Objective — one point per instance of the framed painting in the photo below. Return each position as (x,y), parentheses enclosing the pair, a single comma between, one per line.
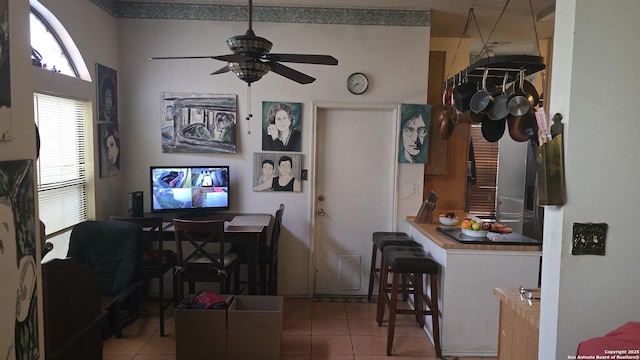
(277,172)
(109,149)
(198,123)
(107,93)
(18,314)
(281,126)
(414,133)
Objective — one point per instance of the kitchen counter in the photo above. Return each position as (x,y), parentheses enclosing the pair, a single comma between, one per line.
(430,231)
(469,312)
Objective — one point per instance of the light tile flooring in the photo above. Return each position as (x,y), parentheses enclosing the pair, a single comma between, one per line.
(312,330)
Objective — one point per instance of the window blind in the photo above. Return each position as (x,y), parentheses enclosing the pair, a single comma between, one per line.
(482,195)
(62,181)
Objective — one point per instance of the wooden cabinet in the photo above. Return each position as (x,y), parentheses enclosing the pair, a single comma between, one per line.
(519,326)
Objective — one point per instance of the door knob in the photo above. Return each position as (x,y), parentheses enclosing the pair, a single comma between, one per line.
(321,212)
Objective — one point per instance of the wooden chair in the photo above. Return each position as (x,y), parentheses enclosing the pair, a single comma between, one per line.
(270,255)
(156,261)
(207,261)
(267,257)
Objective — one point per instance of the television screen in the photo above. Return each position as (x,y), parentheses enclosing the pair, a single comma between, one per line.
(189,188)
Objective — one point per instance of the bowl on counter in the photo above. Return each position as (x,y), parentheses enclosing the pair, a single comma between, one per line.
(474,233)
(448,221)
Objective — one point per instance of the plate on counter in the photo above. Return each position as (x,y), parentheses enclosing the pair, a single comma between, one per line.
(474,233)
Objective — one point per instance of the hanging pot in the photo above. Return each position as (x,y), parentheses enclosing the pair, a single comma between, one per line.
(447,95)
(528,88)
(519,102)
(464,117)
(492,130)
(521,126)
(482,100)
(446,127)
(462,95)
(499,109)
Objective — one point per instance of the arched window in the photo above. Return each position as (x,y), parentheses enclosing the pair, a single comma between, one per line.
(52,46)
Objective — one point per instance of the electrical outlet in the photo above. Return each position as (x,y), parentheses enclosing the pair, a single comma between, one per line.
(589,238)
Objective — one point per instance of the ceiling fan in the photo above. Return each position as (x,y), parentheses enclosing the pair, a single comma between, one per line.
(251,59)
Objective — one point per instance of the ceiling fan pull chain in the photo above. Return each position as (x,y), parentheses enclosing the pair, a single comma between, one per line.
(249,114)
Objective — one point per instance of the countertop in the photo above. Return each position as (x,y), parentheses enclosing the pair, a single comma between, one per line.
(511,298)
(429,230)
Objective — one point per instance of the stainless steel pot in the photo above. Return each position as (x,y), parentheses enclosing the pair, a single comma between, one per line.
(499,109)
(482,100)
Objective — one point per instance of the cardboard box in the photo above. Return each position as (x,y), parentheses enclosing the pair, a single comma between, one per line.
(201,334)
(254,327)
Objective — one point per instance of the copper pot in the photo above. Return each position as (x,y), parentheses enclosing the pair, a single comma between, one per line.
(464,117)
(444,119)
(521,126)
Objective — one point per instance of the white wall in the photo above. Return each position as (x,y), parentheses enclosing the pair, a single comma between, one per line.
(394,58)
(595,88)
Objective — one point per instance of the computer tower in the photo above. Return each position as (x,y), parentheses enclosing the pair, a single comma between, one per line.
(136,204)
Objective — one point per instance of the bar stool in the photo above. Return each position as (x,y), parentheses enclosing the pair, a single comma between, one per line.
(413,261)
(380,240)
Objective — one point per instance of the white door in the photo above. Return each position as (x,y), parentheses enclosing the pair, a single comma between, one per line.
(355,157)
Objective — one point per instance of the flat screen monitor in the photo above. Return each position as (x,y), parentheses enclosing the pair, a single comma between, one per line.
(189,188)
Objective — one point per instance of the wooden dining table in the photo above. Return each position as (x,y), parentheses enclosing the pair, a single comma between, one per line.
(248,230)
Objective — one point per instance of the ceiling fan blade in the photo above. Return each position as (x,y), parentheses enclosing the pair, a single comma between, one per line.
(222,70)
(290,73)
(233,58)
(180,57)
(304,59)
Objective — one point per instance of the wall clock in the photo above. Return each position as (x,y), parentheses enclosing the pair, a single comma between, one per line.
(357,83)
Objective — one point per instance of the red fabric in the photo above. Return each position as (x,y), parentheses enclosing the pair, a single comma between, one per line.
(626,339)
(208,299)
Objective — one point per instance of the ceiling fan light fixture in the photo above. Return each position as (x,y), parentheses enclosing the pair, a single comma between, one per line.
(249,45)
(249,71)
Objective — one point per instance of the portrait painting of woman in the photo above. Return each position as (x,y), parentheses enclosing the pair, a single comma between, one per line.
(281,126)
(109,149)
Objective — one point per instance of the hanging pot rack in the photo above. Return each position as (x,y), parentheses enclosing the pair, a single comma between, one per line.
(497,67)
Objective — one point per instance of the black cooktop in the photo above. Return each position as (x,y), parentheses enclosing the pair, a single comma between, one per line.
(455,233)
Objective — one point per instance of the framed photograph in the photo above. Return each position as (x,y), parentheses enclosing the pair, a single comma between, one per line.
(5,74)
(414,133)
(198,123)
(277,172)
(107,93)
(281,126)
(109,149)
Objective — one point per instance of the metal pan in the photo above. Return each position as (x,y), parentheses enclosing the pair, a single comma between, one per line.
(520,102)
(462,95)
(492,130)
(521,126)
(499,109)
(482,100)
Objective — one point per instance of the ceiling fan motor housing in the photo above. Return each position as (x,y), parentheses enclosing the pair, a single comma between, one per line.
(249,71)
(249,45)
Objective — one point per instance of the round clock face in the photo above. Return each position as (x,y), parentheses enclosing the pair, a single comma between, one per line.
(357,83)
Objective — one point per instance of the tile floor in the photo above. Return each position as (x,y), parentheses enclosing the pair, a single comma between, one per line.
(313,330)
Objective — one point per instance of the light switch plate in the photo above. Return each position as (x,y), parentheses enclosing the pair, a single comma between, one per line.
(589,238)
